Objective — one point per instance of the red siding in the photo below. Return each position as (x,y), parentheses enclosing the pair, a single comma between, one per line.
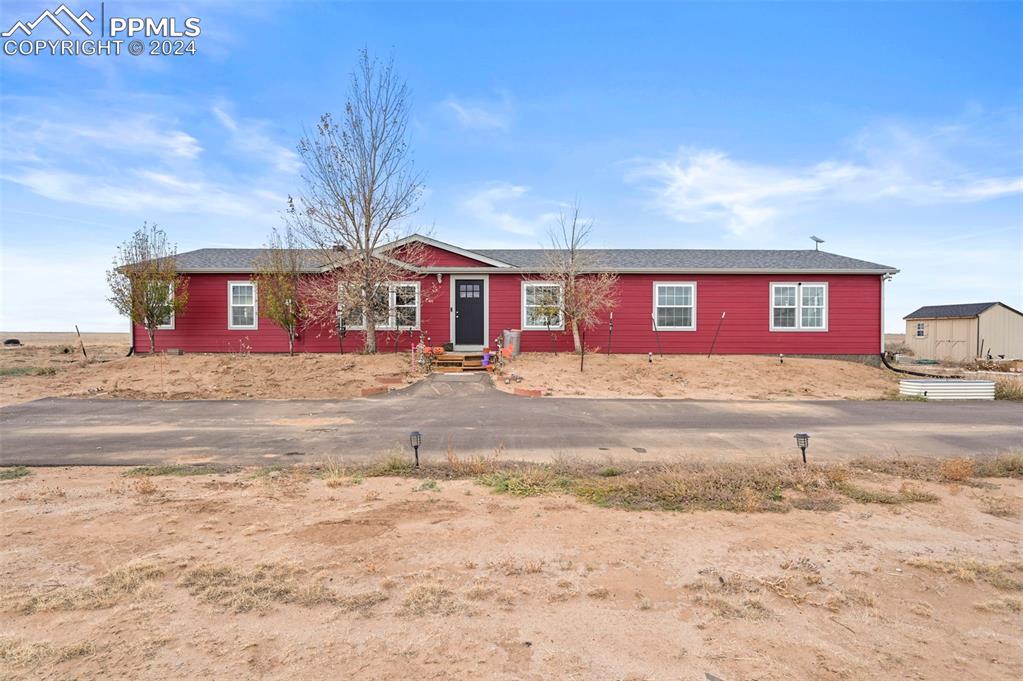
(438,257)
(202,327)
(854,318)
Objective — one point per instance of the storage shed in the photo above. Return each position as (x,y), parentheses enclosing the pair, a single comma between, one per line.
(965,332)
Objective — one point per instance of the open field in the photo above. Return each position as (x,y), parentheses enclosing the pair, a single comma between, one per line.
(43,369)
(731,377)
(279,573)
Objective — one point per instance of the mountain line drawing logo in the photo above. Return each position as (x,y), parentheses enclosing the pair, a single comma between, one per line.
(78,21)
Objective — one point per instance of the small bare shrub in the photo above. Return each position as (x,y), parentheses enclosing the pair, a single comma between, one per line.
(957,470)
(145,486)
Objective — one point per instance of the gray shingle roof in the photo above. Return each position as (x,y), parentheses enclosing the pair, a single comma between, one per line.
(233,260)
(618,259)
(696,259)
(939,311)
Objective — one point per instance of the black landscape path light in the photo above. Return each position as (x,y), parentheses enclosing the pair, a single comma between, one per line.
(415,439)
(803,441)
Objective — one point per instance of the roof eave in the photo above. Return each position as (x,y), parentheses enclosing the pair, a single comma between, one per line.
(665,270)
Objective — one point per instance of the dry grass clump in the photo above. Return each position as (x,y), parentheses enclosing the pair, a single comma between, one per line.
(747,609)
(470,466)
(527,482)
(430,598)
(336,474)
(742,488)
(998,575)
(1006,466)
(863,495)
(480,591)
(15,653)
(177,470)
(266,585)
(1009,390)
(107,592)
(952,470)
(1004,604)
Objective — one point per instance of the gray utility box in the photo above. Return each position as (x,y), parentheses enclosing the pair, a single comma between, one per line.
(513,340)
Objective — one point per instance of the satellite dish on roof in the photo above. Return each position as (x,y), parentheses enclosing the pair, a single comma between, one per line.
(817,241)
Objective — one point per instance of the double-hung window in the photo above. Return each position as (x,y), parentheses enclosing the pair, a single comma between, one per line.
(674,306)
(168,323)
(542,304)
(799,307)
(241,305)
(398,307)
(921,330)
(403,306)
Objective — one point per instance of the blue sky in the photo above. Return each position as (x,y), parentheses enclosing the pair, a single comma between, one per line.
(893,131)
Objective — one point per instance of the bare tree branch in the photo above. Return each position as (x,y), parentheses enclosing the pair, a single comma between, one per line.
(360,184)
(144,283)
(587,292)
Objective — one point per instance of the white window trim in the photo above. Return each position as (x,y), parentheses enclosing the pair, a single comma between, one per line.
(653,318)
(255,306)
(392,313)
(921,330)
(169,326)
(390,325)
(522,305)
(799,307)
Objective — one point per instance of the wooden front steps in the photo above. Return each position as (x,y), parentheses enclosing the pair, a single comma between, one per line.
(451,362)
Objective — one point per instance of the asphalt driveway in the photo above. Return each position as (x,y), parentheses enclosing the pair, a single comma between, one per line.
(472,417)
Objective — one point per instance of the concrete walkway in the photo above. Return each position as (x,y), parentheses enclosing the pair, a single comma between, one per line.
(466,413)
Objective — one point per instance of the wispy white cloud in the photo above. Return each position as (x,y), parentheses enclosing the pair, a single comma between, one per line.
(250,137)
(146,163)
(889,163)
(479,114)
(494,206)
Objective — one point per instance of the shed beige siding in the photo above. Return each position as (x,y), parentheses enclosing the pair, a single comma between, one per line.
(1001,332)
(950,339)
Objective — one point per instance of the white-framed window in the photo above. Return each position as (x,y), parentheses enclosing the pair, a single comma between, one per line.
(403,305)
(542,303)
(403,308)
(921,330)
(799,306)
(169,324)
(242,305)
(674,306)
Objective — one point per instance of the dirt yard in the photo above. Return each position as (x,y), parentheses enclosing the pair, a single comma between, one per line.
(727,377)
(51,365)
(281,574)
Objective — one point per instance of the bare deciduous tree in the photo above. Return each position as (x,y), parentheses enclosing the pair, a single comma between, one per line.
(359,185)
(144,283)
(279,283)
(587,293)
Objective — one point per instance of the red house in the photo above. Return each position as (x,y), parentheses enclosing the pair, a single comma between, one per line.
(798,302)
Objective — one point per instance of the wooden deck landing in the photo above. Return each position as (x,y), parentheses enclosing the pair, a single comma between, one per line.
(458,361)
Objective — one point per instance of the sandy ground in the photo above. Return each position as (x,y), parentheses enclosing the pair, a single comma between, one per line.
(390,578)
(698,377)
(51,372)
